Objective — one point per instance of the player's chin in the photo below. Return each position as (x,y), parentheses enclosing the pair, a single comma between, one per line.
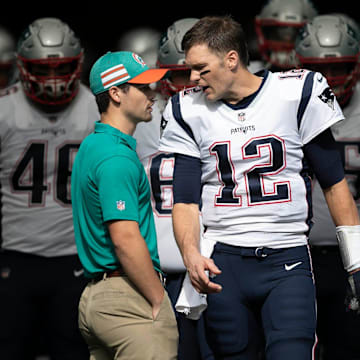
(148,117)
(211,94)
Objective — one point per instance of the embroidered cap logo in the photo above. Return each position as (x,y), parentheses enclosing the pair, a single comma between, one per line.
(138,59)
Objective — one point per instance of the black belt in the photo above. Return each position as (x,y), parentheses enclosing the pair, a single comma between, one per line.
(259,252)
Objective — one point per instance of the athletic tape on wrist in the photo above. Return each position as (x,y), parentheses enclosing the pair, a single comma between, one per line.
(349,244)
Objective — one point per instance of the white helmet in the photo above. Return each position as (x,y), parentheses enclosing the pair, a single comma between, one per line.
(332,42)
(277,26)
(7,57)
(49,58)
(171,55)
(143,41)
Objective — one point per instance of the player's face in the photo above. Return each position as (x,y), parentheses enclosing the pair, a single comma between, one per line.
(137,103)
(209,71)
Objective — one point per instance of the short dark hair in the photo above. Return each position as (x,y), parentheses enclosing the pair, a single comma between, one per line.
(103,99)
(221,34)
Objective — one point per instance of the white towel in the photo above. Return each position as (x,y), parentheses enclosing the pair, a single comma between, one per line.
(190,302)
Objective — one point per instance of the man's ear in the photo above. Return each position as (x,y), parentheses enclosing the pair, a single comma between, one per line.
(115,94)
(232,60)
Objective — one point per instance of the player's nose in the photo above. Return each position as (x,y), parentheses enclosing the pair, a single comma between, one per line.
(195,76)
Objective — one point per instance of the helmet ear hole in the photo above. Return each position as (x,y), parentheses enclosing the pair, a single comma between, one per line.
(49,58)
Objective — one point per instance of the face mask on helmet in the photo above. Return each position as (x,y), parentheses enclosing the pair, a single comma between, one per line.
(5,74)
(341,75)
(278,45)
(51,81)
(175,81)
(277,27)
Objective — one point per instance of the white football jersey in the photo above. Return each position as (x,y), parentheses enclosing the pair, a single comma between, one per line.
(159,168)
(37,153)
(255,191)
(347,135)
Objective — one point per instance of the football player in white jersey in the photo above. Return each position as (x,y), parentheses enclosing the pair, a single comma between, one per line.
(240,141)
(276,27)
(330,45)
(43,120)
(159,168)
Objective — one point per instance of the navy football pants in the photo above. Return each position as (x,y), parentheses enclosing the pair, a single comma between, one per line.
(270,287)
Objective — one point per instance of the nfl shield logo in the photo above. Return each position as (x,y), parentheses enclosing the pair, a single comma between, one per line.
(120,205)
(241,116)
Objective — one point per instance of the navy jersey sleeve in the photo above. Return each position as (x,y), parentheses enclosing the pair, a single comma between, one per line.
(187,179)
(324,159)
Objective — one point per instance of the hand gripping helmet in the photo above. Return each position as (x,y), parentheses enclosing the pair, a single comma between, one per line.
(143,41)
(172,56)
(277,26)
(49,58)
(330,44)
(7,57)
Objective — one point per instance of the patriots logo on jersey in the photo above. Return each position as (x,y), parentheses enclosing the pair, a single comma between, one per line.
(328,97)
(163,124)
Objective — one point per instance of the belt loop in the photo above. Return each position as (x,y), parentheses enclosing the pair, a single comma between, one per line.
(104,276)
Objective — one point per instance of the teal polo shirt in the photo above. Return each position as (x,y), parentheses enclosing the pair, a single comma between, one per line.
(108,182)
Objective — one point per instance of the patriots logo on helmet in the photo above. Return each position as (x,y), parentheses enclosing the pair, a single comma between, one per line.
(328,97)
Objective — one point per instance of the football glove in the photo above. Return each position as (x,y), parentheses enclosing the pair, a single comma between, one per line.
(352,300)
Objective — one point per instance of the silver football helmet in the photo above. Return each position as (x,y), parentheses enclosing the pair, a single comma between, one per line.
(7,57)
(172,56)
(49,58)
(143,41)
(277,26)
(330,45)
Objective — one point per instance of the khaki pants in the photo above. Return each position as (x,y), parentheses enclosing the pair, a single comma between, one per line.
(116,322)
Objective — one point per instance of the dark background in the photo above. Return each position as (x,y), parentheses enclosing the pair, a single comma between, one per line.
(101,23)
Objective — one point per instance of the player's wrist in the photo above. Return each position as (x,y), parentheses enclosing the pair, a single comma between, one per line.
(348,237)
(190,254)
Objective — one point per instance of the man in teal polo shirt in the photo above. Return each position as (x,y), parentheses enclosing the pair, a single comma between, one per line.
(124,312)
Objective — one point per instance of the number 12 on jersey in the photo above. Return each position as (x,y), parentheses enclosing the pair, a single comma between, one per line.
(257,175)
